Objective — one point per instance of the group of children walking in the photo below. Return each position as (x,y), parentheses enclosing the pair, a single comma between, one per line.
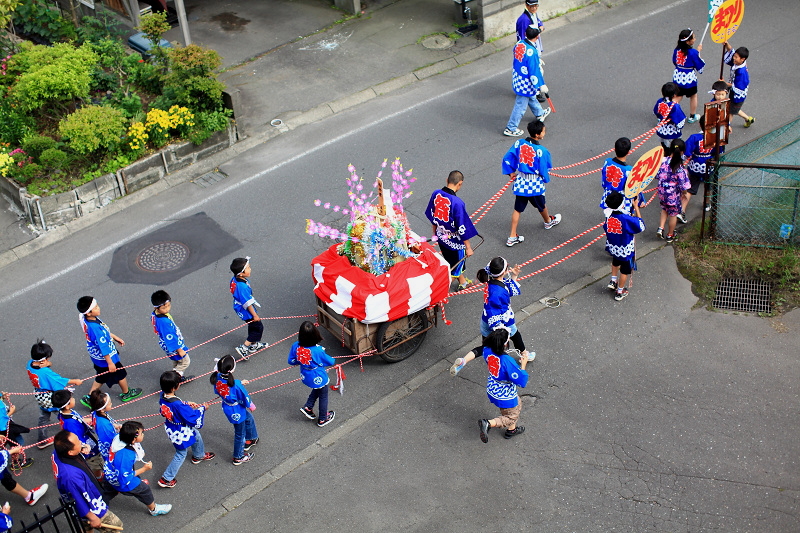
(111,450)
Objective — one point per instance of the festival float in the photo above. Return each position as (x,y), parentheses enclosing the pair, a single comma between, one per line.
(379,288)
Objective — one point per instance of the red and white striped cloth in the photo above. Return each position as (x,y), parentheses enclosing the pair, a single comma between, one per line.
(411,285)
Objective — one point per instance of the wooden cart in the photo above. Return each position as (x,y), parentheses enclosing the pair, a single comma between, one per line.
(394,341)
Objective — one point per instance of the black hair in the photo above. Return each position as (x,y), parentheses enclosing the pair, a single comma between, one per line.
(676,149)
(668,90)
(622,147)
(535,127)
(97,400)
(614,200)
(455,177)
(237,265)
(702,122)
(742,52)
(41,350)
(223,369)
(169,381)
(159,298)
(129,431)
(308,335)
(495,267)
(532,32)
(496,341)
(62,444)
(84,302)
(719,85)
(683,37)
(60,398)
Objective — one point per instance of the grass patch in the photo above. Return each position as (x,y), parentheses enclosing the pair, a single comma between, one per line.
(706,264)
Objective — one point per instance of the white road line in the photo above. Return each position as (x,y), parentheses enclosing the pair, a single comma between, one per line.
(232,187)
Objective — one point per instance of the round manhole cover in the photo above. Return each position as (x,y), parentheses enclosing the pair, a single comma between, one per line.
(162,256)
(437,42)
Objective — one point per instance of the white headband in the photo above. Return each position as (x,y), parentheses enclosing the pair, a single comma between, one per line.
(247,262)
(91,306)
(216,366)
(489,270)
(691,33)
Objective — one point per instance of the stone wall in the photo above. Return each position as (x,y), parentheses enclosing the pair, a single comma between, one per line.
(497,18)
(49,211)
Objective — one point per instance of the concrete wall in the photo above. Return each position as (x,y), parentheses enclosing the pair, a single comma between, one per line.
(499,17)
(48,211)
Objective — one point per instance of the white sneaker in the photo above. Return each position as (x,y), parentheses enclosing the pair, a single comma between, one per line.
(682,218)
(37,493)
(161,508)
(544,115)
(513,133)
(554,220)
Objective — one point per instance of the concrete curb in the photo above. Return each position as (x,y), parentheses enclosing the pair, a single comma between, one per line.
(341,432)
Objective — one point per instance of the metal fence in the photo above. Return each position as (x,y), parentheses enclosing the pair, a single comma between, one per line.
(755,204)
(754,192)
(64,519)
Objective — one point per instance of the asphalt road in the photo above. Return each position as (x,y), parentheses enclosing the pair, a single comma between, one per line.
(605,75)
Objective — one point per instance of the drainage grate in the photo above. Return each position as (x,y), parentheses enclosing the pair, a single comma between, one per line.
(752,296)
(162,256)
(210,178)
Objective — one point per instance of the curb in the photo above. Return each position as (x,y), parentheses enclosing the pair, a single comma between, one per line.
(442,366)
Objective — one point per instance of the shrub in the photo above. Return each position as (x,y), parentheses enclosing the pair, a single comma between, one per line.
(93,127)
(15,123)
(130,104)
(95,29)
(137,137)
(54,159)
(28,173)
(206,123)
(6,162)
(36,144)
(35,18)
(142,74)
(154,25)
(50,74)
(191,80)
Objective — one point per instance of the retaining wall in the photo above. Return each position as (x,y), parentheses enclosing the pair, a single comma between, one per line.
(49,211)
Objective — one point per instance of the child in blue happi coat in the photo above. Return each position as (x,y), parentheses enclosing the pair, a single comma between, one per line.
(45,381)
(505,375)
(121,471)
(500,285)
(104,426)
(739,80)
(669,114)
(182,424)
(169,334)
(688,64)
(620,244)
(73,422)
(244,304)
(312,359)
(237,406)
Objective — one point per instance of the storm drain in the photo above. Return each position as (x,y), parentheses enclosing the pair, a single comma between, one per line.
(210,178)
(752,296)
(162,256)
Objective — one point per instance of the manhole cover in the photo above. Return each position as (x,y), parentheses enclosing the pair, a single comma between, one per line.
(752,296)
(162,256)
(437,42)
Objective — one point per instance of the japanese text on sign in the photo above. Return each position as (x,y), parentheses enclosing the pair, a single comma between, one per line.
(727,20)
(643,171)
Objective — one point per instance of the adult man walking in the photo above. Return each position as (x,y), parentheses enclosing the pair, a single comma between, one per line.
(528,81)
(452,226)
(530,17)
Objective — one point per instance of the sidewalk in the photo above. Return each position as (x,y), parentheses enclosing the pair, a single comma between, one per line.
(306,68)
(630,425)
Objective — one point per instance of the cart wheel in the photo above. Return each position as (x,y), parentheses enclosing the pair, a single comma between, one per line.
(400,338)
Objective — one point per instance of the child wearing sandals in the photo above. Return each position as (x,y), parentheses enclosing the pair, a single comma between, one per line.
(500,285)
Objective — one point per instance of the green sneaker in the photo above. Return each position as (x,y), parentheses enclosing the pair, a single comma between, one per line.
(85,401)
(130,395)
